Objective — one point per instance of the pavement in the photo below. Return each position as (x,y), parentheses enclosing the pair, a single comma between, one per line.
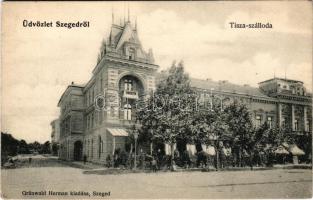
(62,178)
(94,166)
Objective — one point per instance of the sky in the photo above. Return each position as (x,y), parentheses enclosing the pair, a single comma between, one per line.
(39,63)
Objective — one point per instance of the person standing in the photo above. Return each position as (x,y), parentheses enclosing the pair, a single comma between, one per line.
(85,159)
(154,164)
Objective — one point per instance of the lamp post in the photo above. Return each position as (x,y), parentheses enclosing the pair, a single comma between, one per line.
(211,98)
(136,126)
(135,156)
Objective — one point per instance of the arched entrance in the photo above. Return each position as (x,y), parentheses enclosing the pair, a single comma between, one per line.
(78,150)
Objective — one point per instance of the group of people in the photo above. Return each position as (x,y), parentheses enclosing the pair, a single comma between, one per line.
(217,158)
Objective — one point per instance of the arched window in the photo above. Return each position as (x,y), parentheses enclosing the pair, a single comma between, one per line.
(128,85)
(127,112)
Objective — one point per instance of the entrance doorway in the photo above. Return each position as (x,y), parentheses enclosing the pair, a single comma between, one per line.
(78,150)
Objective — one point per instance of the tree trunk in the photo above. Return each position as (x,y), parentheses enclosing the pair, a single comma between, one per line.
(172,156)
(240,157)
(217,156)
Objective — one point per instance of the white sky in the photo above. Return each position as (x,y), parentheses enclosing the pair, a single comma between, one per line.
(38,63)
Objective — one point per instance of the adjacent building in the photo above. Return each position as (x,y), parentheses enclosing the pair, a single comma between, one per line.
(96,117)
(55,136)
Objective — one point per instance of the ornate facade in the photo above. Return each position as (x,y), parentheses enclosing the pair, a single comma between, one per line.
(95,117)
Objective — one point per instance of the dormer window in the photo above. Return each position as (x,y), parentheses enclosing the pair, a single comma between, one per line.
(131,54)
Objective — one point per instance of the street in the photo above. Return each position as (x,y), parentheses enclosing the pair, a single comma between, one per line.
(67,182)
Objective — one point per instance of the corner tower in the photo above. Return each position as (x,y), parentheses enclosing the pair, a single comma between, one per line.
(124,74)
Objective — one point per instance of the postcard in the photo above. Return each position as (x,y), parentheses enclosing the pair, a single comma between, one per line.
(156,100)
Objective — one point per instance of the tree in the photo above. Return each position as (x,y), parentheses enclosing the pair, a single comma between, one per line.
(240,126)
(23,147)
(45,148)
(167,112)
(35,146)
(54,149)
(9,146)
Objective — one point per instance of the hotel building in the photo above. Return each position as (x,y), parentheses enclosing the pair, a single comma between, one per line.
(95,118)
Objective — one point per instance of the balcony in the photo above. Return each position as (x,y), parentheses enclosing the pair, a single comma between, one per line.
(130,94)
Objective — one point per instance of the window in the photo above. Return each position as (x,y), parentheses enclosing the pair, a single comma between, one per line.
(127,112)
(296,125)
(100,147)
(131,54)
(307,125)
(270,121)
(283,122)
(128,85)
(258,120)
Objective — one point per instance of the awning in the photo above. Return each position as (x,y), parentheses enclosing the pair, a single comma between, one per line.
(118,132)
(281,150)
(296,151)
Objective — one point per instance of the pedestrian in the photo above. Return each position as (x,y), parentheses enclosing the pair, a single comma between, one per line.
(108,161)
(142,159)
(30,160)
(154,165)
(174,167)
(85,159)
(159,158)
(186,159)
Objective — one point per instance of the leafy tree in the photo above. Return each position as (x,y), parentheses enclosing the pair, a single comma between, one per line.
(23,147)
(54,149)
(240,126)
(9,146)
(35,146)
(45,148)
(167,112)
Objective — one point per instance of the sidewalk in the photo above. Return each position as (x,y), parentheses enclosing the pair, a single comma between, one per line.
(99,167)
(88,165)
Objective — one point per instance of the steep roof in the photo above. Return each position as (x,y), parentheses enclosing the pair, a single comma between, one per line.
(128,34)
(121,34)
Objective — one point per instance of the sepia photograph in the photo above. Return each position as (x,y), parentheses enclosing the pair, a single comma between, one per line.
(156,100)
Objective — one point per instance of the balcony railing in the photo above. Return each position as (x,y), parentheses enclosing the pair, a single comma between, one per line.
(130,94)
